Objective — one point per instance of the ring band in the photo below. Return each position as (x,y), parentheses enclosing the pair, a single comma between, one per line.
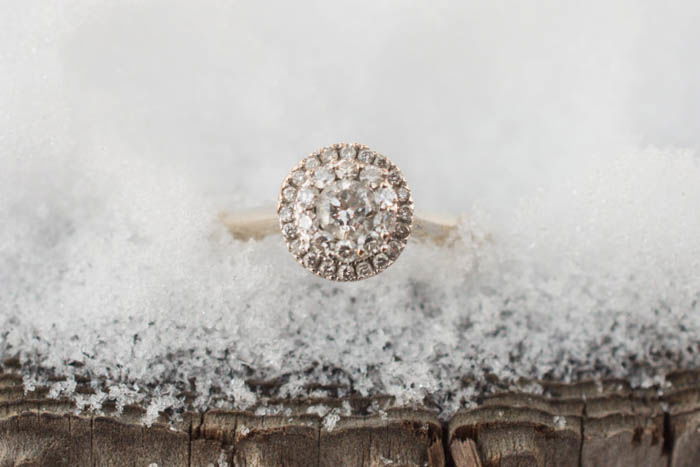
(256,224)
(345,212)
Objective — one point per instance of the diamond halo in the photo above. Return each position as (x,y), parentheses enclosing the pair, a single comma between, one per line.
(345,212)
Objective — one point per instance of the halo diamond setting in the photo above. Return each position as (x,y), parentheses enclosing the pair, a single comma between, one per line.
(345,212)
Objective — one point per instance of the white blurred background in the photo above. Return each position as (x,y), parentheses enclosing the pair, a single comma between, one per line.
(480,102)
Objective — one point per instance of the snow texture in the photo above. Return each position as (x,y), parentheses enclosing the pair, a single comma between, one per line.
(564,132)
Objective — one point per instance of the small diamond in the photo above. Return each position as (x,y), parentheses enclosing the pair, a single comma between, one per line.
(386,197)
(289,231)
(346,272)
(311,260)
(372,175)
(299,247)
(311,163)
(385,224)
(323,177)
(289,193)
(346,169)
(403,194)
(306,197)
(322,240)
(305,223)
(402,231)
(348,152)
(395,178)
(405,213)
(368,248)
(392,249)
(328,267)
(366,156)
(329,155)
(345,250)
(364,269)
(380,261)
(298,177)
(380,161)
(286,214)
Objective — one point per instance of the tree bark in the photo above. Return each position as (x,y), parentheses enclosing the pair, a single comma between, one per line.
(606,424)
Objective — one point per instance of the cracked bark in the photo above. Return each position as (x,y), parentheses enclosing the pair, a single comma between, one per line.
(580,424)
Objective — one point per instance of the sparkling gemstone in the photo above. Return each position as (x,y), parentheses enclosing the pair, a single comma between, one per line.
(311,260)
(323,177)
(322,240)
(286,214)
(299,247)
(386,197)
(403,231)
(364,269)
(305,223)
(329,155)
(366,156)
(345,250)
(328,267)
(380,161)
(306,197)
(346,272)
(385,223)
(403,194)
(289,193)
(405,213)
(395,178)
(311,163)
(372,175)
(346,169)
(345,210)
(298,177)
(369,248)
(392,249)
(348,152)
(289,231)
(380,261)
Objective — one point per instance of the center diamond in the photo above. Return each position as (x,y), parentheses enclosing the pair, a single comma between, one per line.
(345,209)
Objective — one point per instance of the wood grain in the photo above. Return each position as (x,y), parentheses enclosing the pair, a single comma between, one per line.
(587,424)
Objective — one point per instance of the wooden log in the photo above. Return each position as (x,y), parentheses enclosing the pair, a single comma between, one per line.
(39,431)
(588,424)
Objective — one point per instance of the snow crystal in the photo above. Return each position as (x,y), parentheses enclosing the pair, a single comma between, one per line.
(569,149)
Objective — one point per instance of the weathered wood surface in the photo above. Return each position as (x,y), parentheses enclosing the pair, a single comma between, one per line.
(606,424)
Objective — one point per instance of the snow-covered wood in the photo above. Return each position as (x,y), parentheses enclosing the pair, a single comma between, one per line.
(605,423)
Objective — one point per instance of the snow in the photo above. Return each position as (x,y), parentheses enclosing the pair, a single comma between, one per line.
(566,137)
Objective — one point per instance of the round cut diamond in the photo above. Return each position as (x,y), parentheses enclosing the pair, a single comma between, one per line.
(346,169)
(386,197)
(323,177)
(286,214)
(329,155)
(346,212)
(306,197)
(366,156)
(304,223)
(345,209)
(298,177)
(288,193)
(311,163)
(348,151)
(372,175)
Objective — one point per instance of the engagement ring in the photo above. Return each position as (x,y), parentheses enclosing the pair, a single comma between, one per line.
(346,214)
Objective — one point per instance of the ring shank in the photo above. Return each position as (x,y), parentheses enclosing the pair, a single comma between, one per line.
(256,224)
